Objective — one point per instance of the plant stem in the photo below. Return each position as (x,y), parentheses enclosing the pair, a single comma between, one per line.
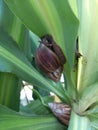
(79,122)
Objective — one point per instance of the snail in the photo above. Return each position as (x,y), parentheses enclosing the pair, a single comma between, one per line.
(49,58)
(61,111)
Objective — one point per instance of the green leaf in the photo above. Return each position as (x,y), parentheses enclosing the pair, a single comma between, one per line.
(16,121)
(9,91)
(52,17)
(89,97)
(94,124)
(35,42)
(12,24)
(10,86)
(88,38)
(14,60)
(94,119)
(73,5)
(79,122)
(93,110)
(55,18)
(36,107)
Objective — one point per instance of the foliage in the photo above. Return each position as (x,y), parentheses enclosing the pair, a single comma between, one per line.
(22,23)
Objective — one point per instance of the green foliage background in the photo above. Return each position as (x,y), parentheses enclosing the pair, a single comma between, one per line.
(22,23)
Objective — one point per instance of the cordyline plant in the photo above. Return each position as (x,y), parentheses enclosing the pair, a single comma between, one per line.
(22,25)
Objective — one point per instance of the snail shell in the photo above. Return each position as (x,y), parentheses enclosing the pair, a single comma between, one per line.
(61,111)
(49,58)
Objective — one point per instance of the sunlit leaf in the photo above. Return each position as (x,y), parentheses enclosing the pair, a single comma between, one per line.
(88,38)
(52,17)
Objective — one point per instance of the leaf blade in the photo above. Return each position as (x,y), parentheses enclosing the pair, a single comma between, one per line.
(16,121)
(50,17)
(88,64)
(14,60)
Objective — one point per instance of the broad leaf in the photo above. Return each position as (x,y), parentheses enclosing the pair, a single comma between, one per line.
(52,17)
(88,38)
(55,18)
(13,60)
(89,97)
(16,121)
(9,83)
(9,91)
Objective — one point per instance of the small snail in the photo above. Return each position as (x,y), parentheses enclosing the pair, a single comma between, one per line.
(77,53)
(61,111)
(49,58)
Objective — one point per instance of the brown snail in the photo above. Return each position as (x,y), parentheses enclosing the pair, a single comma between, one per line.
(49,58)
(61,111)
